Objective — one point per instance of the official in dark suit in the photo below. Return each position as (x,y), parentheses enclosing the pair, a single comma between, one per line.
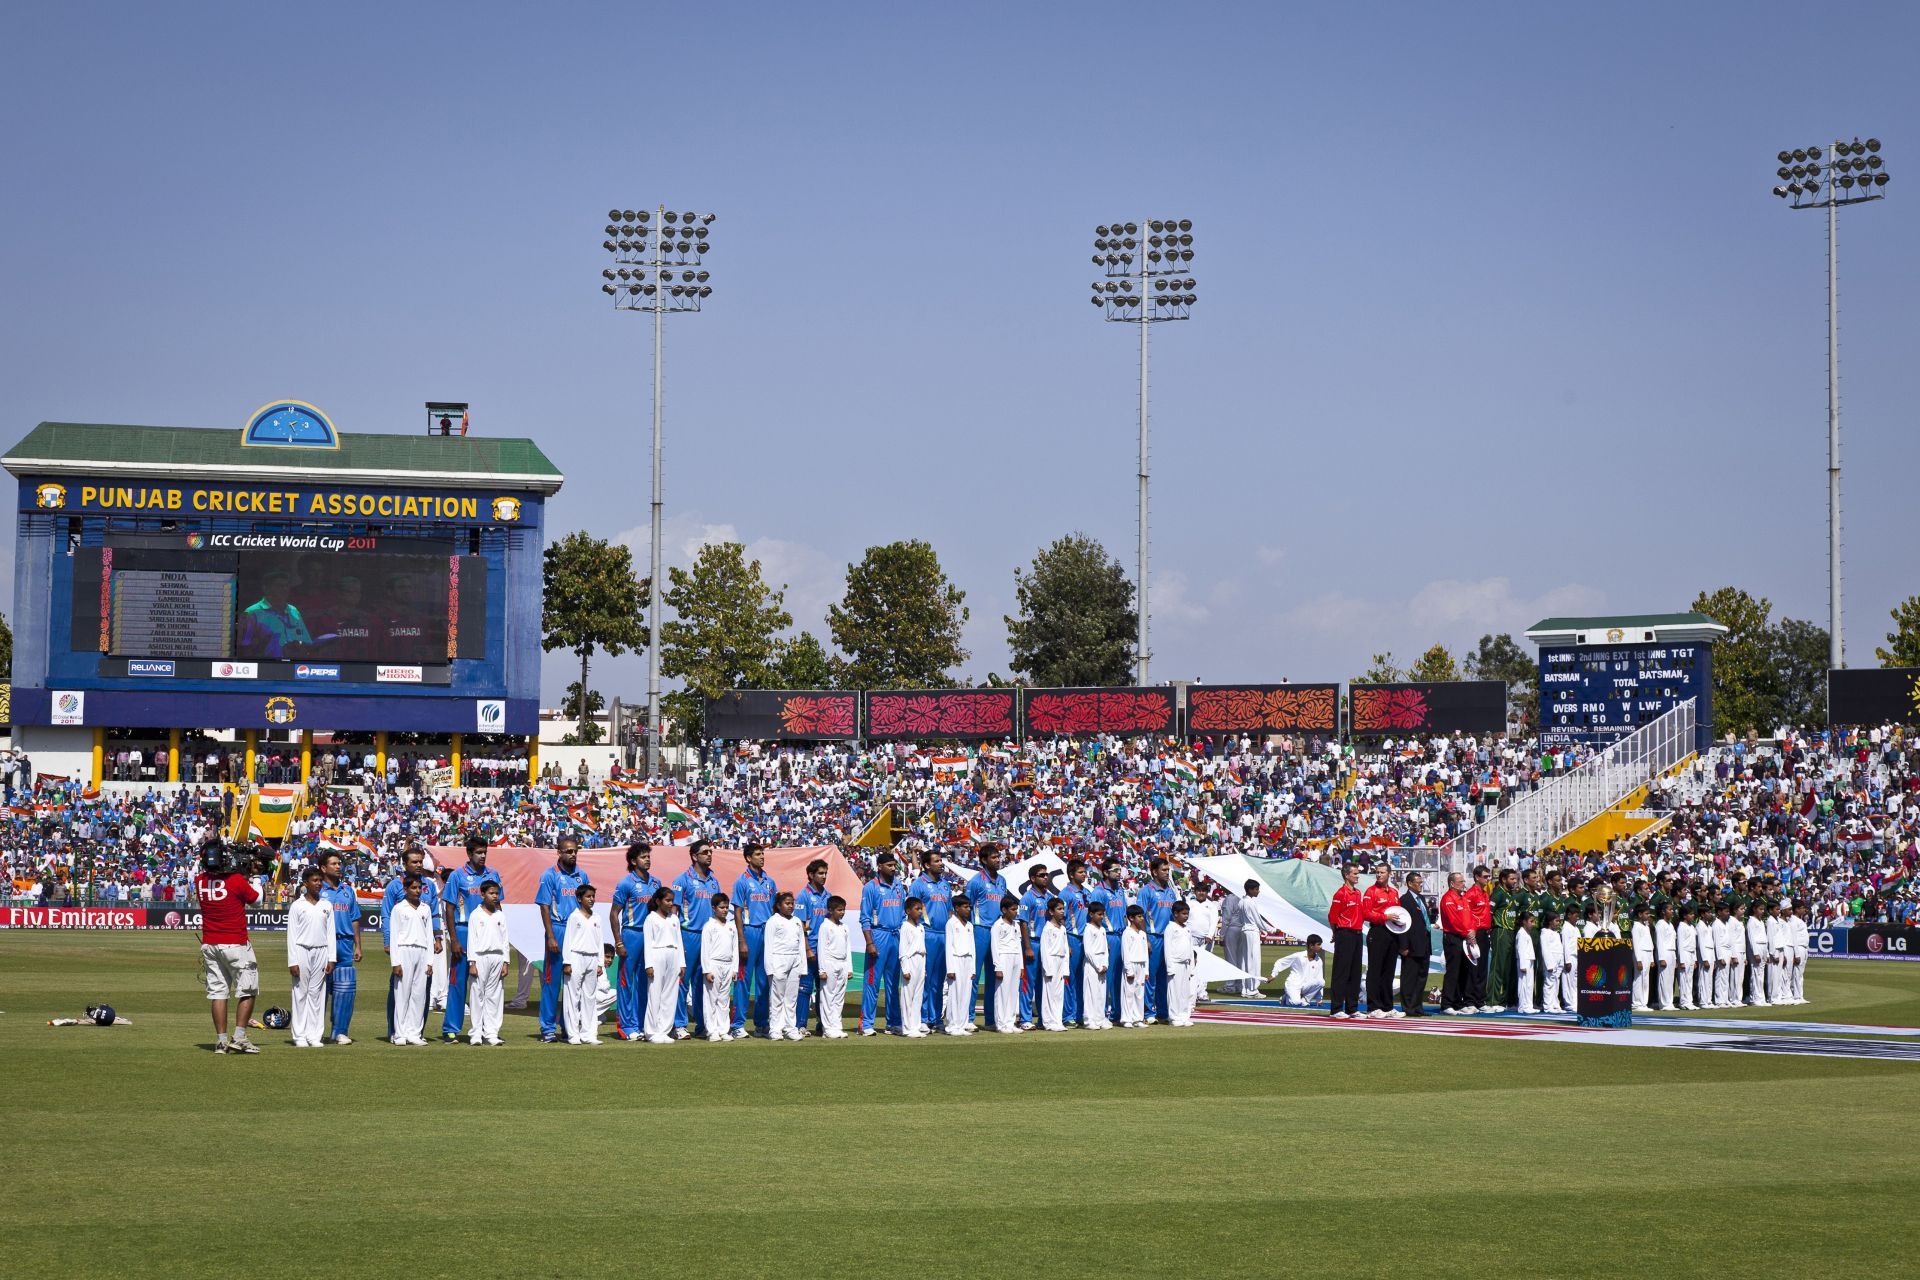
(1416,950)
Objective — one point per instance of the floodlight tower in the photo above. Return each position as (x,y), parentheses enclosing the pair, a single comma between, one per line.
(1855,173)
(657,257)
(1144,282)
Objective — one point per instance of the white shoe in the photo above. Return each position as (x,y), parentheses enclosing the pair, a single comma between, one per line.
(1397,1013)
(659,1039)
(1341,1014)
(342,1040)
(796,1035)
(866,1031)
(495,1040)
(833,1035)
(681,1033)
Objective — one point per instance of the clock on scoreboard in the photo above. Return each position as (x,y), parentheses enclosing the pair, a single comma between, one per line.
(1600,693)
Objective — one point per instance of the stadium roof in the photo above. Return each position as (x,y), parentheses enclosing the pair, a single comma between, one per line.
(104,449)
(1627,627)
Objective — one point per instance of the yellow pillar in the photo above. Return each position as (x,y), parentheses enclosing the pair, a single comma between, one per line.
(533,758)
(306,755)
(253,743)
(380,752)
(454,758)
(173,755)
(99,755)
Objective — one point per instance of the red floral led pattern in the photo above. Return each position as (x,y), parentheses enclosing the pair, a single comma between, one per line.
(804,716)
(1387,707)
(939,715)
(1100,711)
(1230,710)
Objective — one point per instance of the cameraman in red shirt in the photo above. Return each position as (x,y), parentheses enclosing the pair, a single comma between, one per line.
(226,957)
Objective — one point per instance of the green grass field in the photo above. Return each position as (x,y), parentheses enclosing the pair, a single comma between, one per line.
(135,1152)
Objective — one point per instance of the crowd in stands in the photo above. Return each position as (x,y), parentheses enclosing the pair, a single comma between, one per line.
(1834,817)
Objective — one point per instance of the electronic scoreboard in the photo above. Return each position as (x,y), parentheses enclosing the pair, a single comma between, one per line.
(1600,693)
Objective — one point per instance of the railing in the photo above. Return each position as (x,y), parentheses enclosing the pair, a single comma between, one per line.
(1535,821)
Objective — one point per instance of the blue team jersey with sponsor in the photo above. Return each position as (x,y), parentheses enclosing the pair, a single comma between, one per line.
(397,892)
(810,909)
(985,896)
(883,906)
(1076,899)
(556,892)
(1033,914)
(346,908)
(1158,904)
(1115,901)
(938,897)
(463,890)
(630,899)
(753,896)
(694,892)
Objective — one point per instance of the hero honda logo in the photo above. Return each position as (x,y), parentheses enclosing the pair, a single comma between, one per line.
(398,675)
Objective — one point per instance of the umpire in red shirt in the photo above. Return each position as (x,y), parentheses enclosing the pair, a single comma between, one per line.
(1345,913)
(1456,931)
(1383,945)
(1479,897)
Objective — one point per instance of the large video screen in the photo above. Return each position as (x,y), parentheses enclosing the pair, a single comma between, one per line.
(280,597)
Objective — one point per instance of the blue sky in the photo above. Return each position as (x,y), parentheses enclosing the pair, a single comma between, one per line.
(1497,317)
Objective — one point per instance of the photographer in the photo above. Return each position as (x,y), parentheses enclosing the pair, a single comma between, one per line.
(225,889)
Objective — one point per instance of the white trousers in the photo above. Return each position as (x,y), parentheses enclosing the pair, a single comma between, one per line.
(439,989)
(1762,967)
(1133,994)
(1243,952)
(1006,997)
(663,994)
(1642,970)
(716,997)
(524,987)
(1297,994)
(832,999)
(486,995)
(580,1003)
(1053,1002)
(1523,978)
(410,997)
(1570,990)
(1686,986)
(1550,993)
(959,990)
(1709,986)
(1719,985)
(310,993)
(1799,976)
(913,990)
(1093,999)
(1737,982)
(1664,984)
(783,995)
(1180,995)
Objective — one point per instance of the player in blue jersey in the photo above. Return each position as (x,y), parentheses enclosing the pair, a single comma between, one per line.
(1112,893)
(1073,895)
(1033,917)
(810,908)
(883,909)
(556,901)
(462,899)
(413,862)
(693,889)
(1157,897)
(984,892)
(629,923)
(935,892)
(343,982)
(753,894)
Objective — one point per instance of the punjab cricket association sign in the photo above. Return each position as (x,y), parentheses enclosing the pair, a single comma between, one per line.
(1604,967)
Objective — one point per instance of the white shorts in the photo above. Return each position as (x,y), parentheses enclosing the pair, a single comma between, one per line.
(231,966)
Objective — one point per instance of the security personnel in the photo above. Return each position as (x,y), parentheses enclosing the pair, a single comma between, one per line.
(1073,894)
(1111,894)
(1033,918)
(883,909)
(984,892)
(753,894)
(693,889)
(630,899)
(1383,945)
(556,900)
(1156,899)
(1345,913)
(462,900)
(934,892)
(412,863)
(810,909)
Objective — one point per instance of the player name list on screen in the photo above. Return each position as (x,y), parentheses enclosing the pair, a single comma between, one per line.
(172,615)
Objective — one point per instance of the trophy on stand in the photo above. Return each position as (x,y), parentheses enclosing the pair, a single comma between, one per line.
(1605,967)
(1604,895)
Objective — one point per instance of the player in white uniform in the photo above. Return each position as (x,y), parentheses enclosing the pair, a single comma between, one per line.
(1762,968)
(1569,976)
(1798,940)
(1524,965)
(1736,957)
(1686,950)
(583,957)
(1181,954)
(487,949)
(1665,946)
(786,952)
(1007,957)
(719,965)
(1134,952)
(960,967)
(1641,935)
(1553,958)
(310,953)
(411,936)
(1093,976)
(1054,953)
(666,956)
(913,969)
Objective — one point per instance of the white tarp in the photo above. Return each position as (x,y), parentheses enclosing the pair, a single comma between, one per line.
(1231,871)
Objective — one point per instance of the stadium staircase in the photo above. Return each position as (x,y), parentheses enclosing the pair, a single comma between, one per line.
(1602,798)
(1625,819)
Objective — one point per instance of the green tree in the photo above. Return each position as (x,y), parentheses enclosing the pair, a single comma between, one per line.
(1746,687)
(1076,623)
(6,649)
(1436,664)
(1499,658)
(595,703)
(593,600)
(1380,671)
(803,663)
(724,631)
(1903,642)
(899,623)
(1800,665)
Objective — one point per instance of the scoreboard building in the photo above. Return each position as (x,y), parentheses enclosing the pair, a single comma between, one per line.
(1602,678)
(276,576)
